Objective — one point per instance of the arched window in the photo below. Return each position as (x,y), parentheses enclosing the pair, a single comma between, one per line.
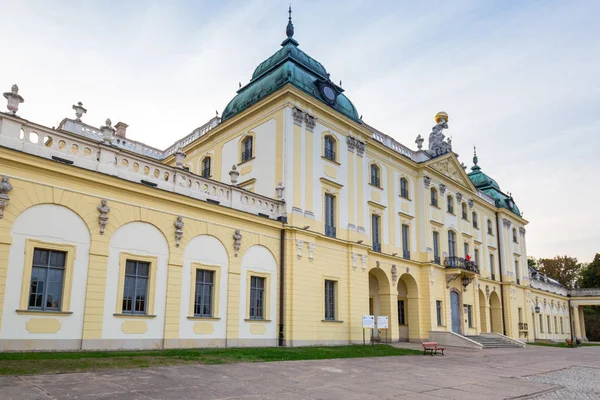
(515,235)
(206,167)
(404,188)
(329,148)
(434,197)
(375,174)
(451,244)
(247,149)
(489,224)
(450,204)
(474,216)
(464,211)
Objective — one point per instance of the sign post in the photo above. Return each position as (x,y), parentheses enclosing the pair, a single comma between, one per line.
(368,322)
(382,323)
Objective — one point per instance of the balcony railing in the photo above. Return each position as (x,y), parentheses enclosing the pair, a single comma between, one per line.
(523,326)
(406,254)
(462,263)
(90,154)
(377,247)
(437,260)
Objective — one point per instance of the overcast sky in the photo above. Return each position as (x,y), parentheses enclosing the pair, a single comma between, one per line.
(518,78)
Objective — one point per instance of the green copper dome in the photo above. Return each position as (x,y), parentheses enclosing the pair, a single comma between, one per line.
(291,65)
(490,187)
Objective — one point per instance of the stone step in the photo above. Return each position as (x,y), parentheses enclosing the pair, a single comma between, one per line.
(491,342)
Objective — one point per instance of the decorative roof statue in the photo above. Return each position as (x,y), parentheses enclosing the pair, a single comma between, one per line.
(79,111)
(437,144)
(14,99)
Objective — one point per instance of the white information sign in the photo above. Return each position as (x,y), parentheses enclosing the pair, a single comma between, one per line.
(382,322)
(368,322)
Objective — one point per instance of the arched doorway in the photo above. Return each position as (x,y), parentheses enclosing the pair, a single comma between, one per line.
(496,312)
(380,298)
(483,314)
(455,312)
(408,308)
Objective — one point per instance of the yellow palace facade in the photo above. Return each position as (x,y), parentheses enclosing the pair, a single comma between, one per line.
(282,222)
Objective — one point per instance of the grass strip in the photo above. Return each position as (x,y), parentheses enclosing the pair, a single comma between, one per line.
(22,363)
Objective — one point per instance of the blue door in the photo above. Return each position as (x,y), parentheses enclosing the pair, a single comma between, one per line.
(455,311)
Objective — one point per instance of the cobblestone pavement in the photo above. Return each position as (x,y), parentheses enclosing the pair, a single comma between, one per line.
(496,374)
(577,383)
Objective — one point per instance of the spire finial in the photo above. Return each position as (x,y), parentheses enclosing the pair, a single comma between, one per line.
(475,159)
(289,30)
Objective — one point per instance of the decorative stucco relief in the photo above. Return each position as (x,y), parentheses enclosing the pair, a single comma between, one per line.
(449,169)
(103,217)
(178,230)
(5,187)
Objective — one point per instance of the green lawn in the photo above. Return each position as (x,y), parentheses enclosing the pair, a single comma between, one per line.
(560,344)
(57,362)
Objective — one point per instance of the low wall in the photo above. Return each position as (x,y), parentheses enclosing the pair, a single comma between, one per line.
(453,340)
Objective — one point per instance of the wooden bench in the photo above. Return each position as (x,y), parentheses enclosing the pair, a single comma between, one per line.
(432,347)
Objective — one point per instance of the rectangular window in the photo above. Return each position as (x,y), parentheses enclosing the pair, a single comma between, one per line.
(541,324)
(562,326)
(401,315)
(404,188)
(257,297)
(470,315)
(405,242)
(375,228)
(247,149)
(47,279)
(549,325)
(466,248)
(555,324)
(517,272)
(438,309)
(203,302)
(329,215)
(436,247)
(520,310)
(476,253)
(451,244)
(206,167)
(474,217)
(492,268)
(330,300)
(135,290)
(434,199)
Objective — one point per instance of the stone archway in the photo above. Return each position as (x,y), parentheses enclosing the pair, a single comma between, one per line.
(483,312)
(496,312)
(380,302)
(408,296)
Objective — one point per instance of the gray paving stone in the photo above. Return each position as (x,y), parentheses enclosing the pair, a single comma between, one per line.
(498,374)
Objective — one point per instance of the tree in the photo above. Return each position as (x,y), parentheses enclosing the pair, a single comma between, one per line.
(590,274)
(564,269)
(532,262)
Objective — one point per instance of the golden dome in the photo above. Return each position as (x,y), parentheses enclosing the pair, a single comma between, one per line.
(441,115)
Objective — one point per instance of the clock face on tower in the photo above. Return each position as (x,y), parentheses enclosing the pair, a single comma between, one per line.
(329,93)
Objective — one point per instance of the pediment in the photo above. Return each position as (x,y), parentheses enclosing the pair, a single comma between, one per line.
(450,168)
